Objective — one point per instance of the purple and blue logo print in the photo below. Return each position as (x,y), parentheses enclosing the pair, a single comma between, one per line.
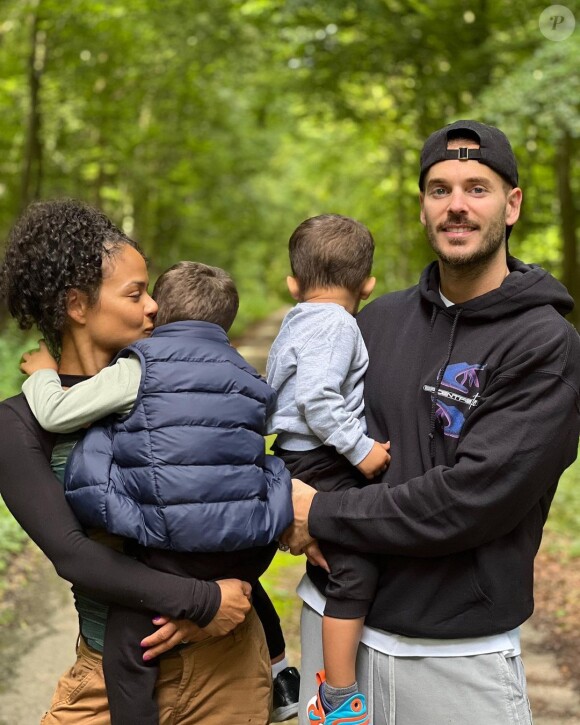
(460,384)
(462,377)
(451,418)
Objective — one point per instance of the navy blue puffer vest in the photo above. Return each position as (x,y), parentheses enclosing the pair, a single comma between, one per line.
(186,470)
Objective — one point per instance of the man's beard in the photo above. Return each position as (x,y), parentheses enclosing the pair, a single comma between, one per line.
(493,240)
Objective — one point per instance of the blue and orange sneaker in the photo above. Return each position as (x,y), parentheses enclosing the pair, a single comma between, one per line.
(352,711)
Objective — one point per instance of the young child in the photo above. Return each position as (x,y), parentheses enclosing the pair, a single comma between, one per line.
(317,364)
(181,467)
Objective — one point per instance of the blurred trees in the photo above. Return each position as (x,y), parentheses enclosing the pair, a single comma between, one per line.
(538,105)
(210,129)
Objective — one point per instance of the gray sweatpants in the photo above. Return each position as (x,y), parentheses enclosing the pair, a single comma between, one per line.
(485,689)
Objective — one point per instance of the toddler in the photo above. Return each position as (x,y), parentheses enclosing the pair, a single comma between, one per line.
(317,365)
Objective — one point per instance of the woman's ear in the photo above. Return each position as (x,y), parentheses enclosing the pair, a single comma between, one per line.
(77,304)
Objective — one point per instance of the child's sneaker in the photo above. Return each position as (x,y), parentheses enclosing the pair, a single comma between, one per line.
(352,711)
(286,688)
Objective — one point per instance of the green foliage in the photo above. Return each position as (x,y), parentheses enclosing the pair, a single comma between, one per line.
(284,568)
(12,537)
(543,91)
(13,343)
(565,512)
(209,130)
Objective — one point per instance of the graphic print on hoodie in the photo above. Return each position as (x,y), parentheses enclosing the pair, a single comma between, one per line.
(458,380)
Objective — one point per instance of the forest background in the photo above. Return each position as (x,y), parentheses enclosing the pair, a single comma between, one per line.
(209,129)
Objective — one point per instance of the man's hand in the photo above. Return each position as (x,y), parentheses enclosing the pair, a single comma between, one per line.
(40,359)
(376,461)
(235,604)
(296,535)
(315,556)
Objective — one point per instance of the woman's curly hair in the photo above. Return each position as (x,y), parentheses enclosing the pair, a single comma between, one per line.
(55,246)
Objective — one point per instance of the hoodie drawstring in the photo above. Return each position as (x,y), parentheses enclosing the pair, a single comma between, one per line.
(433,318)
(440,374)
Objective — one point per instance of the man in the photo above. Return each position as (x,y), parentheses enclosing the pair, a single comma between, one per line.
(474,377)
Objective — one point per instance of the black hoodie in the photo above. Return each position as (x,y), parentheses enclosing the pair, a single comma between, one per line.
(458,517)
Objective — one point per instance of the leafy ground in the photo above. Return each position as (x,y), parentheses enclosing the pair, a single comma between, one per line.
(558,602)
(558,575)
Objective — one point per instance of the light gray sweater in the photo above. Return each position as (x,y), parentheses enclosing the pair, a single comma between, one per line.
(317,365)
(113,390)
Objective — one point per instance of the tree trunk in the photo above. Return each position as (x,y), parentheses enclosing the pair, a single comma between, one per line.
(32,166)
(568,221)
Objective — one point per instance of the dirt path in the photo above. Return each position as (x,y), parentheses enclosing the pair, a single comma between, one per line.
(38,645)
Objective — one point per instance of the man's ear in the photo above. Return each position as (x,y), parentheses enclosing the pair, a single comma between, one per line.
(421,202)
(513,206)
(367,288)
(77,304)
(293,287)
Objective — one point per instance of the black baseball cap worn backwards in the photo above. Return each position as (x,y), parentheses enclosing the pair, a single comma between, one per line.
(494,149)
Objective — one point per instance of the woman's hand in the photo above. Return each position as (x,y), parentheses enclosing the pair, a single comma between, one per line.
(171,632)
(234,606)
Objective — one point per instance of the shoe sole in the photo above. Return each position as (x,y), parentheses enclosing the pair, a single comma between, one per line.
(281,714)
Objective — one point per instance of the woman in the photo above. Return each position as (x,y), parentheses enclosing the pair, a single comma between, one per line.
(83,283)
